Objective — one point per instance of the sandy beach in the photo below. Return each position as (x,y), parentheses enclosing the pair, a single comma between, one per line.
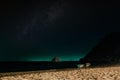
(106,73)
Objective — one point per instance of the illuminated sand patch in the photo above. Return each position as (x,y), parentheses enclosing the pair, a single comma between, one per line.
(107,73)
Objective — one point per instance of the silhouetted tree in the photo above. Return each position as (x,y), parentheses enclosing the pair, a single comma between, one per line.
(56,59)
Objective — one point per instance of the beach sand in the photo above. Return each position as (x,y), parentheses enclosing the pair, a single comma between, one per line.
(105,73)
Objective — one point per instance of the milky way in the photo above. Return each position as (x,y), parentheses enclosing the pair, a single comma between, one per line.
(40,21)
(40,30)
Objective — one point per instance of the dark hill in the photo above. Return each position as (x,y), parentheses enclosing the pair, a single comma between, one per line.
(106,52)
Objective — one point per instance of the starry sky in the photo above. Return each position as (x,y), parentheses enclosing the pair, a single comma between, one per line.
(39,30)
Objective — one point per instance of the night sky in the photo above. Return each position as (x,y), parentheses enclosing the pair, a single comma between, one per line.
(39,30)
